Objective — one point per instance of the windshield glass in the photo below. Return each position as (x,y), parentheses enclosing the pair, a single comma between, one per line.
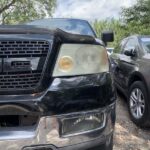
(69,25)
(146,44)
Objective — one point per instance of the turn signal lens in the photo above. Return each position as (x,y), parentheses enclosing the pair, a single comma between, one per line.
(65,64)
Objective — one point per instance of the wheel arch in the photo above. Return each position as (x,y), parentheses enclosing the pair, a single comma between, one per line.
(137,76)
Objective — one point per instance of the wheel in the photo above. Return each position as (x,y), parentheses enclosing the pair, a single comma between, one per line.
(138,104)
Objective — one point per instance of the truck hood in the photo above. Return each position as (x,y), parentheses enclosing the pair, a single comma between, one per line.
(60,34)
(22,29)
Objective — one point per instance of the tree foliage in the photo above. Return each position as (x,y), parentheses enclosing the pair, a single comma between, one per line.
(138,14)
(115,25)
(134,20)
(19,11)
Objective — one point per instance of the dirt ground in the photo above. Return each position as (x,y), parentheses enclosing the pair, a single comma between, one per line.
(127,135)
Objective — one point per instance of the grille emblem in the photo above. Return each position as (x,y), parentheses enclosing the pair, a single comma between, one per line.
(20,64)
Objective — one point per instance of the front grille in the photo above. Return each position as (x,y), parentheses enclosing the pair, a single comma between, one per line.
(11,49)
(22,80)
(22,63)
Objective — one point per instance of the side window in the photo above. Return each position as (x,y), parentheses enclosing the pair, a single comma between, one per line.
(123,42)
(131,43)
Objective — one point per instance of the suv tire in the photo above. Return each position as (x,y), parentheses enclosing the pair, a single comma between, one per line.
(138,104)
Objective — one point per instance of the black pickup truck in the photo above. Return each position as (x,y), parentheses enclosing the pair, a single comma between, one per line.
(56,91)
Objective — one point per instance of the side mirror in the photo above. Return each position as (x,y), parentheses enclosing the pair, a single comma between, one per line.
(107,36)
(131,51)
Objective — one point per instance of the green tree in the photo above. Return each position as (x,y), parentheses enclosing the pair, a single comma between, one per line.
(114,25)
(19,11)
(138,14)
(136,18)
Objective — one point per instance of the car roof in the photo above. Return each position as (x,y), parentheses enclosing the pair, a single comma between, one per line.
(144,36)
(138,36)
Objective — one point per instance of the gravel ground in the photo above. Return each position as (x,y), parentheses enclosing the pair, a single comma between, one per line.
(127,135)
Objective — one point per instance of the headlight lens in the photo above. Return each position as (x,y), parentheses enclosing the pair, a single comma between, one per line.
(82,124)
(80,59)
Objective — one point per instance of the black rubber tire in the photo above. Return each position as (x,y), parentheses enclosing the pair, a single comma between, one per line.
(144,121)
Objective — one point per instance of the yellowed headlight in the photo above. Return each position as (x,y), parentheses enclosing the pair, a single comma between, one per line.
(81,59)
(65,64)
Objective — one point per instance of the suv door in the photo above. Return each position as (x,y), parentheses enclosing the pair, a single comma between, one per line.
(126,64)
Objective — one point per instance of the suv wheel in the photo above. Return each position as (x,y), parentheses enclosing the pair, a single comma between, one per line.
(138,104)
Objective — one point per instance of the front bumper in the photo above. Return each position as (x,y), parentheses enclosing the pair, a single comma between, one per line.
(46,134)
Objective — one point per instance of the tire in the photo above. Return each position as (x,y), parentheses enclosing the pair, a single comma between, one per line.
(139,111)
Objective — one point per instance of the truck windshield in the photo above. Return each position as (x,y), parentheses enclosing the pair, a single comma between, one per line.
(146,44)
(69,25)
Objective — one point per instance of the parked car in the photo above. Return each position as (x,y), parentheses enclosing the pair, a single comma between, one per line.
(131,75)
(56,91)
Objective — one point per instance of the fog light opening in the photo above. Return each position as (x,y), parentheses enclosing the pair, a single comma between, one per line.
(82,124)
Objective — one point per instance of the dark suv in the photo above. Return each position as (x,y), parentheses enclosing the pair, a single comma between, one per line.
(131,75)
(56,91)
